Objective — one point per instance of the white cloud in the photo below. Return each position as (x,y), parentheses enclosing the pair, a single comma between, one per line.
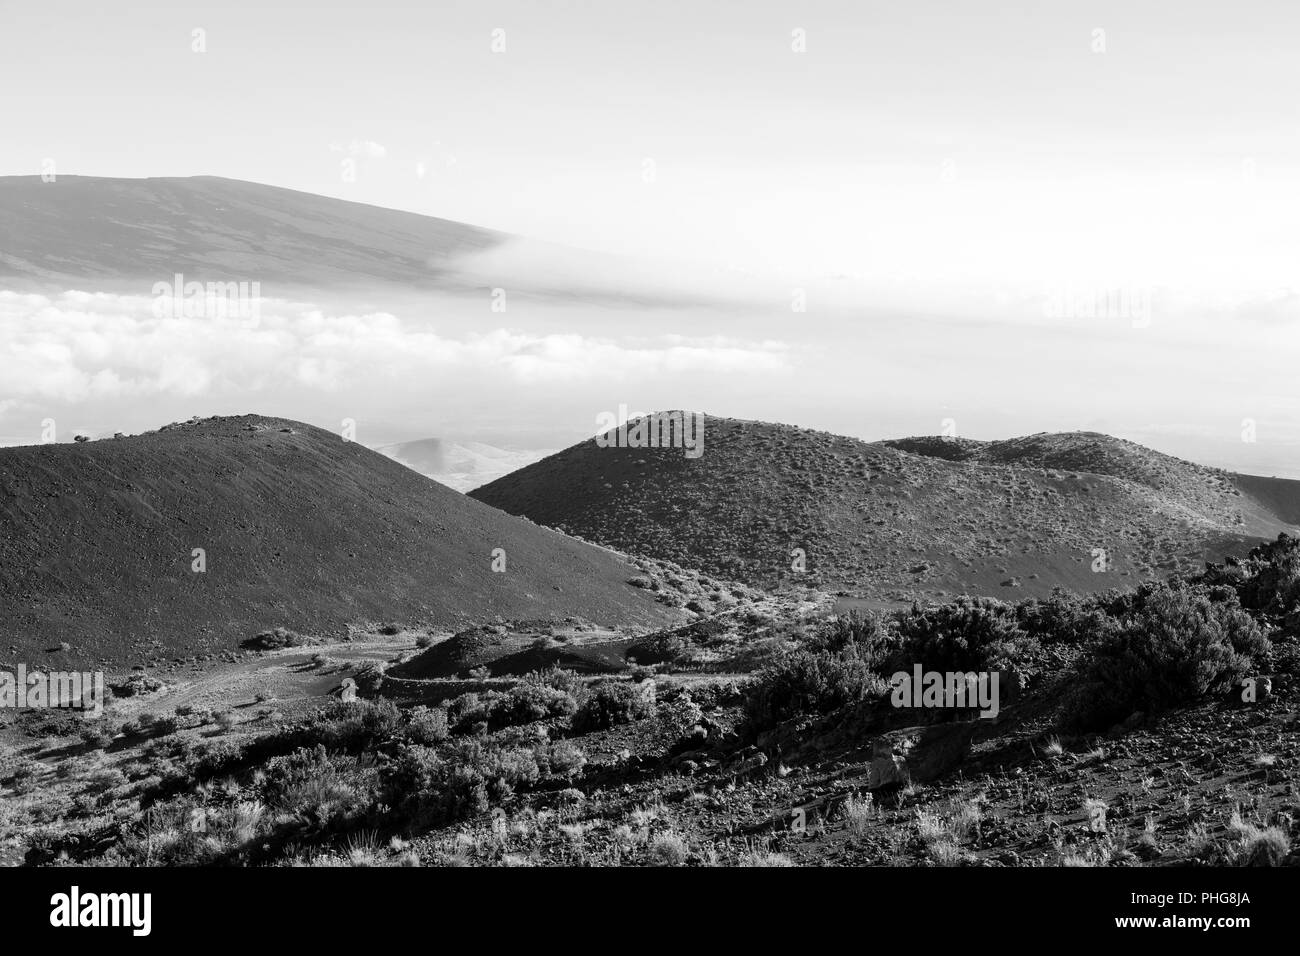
(81,347)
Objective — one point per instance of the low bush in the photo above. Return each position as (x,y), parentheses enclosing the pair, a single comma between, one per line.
(1178,645)
(968,634)
(613,702)
(808,682)
(426,726)
(558,678)
(564,759)
(349,727)
(96,734)
(275,639)
(527,702)
(1267,579)
(468,711)
(437,786)
(318,787)
(1064,619)
(866,637)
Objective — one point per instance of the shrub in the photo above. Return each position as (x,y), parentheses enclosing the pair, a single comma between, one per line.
(1177,646)
(1267,579)
(805,682)
(558,678)
(528,702)
(721,694)
(668,647)
(164,725)
(1286,658)
(435,787)
(217,757)
(275,639)
(96,735)
(315,785)
(467,710)
(24,776)
(863,636)
(679,715)
(1064,619)
(508,769)
(104,780)
(350,727)
(613,702)
(369,678)
(136,685)
(426,726)
(968,634)
(668,849)
(565,759)
(281,774)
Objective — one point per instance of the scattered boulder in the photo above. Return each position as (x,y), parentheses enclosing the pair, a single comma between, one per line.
(886,767)
(919,754)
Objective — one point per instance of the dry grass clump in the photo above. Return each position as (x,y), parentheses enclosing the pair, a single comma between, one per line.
(668,849)
(859,811)
(942,835)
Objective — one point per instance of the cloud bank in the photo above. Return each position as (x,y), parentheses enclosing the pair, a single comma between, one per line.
(84,346)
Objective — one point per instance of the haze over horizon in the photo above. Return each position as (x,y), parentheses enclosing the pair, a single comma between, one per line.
(814,223)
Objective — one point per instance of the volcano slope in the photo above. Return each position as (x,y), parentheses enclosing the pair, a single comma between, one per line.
(299,529)
(212,229)
(900,520)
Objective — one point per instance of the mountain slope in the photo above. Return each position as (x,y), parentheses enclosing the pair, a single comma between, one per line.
(895,520)
(1281,496)
(300,529)
(124,236)
(218,230)
(1204,492)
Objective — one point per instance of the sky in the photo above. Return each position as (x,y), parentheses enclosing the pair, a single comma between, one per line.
(964,194)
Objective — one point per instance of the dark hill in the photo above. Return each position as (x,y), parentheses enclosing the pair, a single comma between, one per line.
(301,529)
(896,520)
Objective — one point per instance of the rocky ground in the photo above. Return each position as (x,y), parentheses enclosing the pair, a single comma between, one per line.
(643,749)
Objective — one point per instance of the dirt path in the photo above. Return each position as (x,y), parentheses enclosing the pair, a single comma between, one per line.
(283,676)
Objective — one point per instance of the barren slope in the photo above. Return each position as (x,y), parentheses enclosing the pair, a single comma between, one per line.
(300,529)
(893,520)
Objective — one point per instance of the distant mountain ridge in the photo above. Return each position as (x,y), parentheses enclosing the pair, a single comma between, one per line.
(900,519)
(212,229)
